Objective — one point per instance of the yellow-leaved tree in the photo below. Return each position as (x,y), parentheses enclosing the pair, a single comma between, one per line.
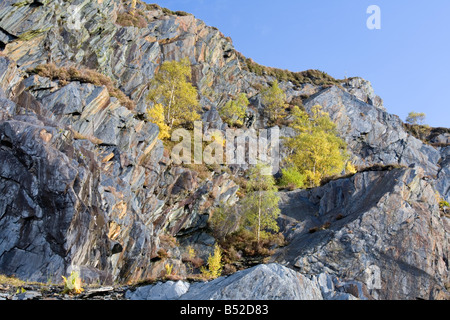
(172,90)
(316,150)
(155,115)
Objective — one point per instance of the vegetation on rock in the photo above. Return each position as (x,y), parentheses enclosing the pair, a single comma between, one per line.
(215,265)
(134,18)
(315,77)
(172,90)
(316,150)
(260,206)
(416,118)
(274,100)
(234,111)
(72,284)
(83,75)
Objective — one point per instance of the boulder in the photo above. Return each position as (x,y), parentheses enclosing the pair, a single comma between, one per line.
(162,291)
(264,282)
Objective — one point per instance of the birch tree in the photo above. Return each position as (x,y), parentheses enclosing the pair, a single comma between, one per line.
(171,88)
(316,150)
(260,206)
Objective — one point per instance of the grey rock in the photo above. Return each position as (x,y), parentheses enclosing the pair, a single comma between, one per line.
(442,183)
(264,282)
(28,295)
(41,195)
(362,89)
(162,291)
(382,229)
(9,76)
(443,138)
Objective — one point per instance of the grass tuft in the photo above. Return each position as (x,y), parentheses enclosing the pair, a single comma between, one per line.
(84,75)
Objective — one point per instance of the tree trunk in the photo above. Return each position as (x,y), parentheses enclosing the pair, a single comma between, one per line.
(169,118)
(259,217)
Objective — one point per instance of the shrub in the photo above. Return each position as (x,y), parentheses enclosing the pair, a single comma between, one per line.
(155,115)
(274,100)
(168,240)
(317,150)
(169,269)
(171,87)
(215,265)
(316,77)
(298,101)
(132,19)
(72,284)
(152,6)
(224,220)
(292,178)
(193,262)
(350,168)
(234,111)
(243,245)
(163,254)
(421,132)
(323,227)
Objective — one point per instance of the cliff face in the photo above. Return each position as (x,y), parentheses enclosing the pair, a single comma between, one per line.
(382,228)
(96,183)
(85,33)
(86,184)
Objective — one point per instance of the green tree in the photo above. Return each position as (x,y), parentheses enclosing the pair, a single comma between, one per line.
(316,149)
(292,178)
(234,111)
(171,89)
(260,206)
(274,99)
(416,118)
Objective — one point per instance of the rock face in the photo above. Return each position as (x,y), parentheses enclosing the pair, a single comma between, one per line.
(85,33)
(373,135)
(362,89)
(47,209)
(86,185)
(381,228)
(442,181)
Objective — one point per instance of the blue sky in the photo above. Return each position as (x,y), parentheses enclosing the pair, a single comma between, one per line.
(407,61)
